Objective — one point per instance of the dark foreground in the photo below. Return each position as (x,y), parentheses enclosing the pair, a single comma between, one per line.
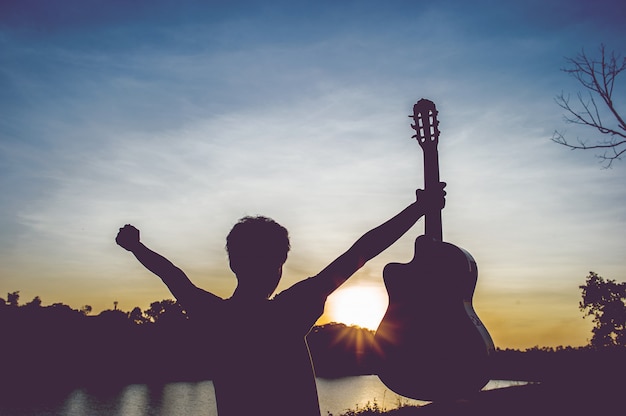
(587,397)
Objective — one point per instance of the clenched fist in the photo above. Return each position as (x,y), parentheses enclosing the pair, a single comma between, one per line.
(128,237)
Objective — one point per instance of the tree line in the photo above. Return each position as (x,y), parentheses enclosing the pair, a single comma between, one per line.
(56,346)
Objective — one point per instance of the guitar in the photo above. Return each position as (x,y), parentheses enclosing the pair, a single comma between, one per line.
(433,345)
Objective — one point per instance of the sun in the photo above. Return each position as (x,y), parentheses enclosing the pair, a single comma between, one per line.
(361,305)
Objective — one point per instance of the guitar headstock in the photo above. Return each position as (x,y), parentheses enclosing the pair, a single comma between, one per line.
(426,124)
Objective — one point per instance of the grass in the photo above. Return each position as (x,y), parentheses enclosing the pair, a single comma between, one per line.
(373,408)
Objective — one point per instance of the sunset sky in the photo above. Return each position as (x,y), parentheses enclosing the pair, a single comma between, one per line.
(181,117)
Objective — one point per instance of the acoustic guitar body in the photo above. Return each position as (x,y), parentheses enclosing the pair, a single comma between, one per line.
(433,345)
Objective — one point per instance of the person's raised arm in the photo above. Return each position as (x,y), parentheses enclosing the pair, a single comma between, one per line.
(378,239)
(176,280)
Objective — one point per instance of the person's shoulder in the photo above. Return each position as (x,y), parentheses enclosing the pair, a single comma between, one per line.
(307,289)
(301,304)
(297,287)
(203,302)
(201,296)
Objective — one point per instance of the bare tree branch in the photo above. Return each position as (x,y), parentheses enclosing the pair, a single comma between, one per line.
(598,77)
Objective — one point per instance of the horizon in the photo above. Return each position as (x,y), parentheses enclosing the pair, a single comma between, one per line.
(181,119)
(319,324)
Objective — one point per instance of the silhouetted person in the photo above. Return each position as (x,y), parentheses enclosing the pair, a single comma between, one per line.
(262,363)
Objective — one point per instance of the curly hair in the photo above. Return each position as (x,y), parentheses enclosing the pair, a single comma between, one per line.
(257,240)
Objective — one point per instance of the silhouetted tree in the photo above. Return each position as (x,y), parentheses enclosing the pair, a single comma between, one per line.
(338,350)
(166,310)
(13,299)
(597,75)
(35,303)
(605,300)
(137,316)
(113,316)
(86,309)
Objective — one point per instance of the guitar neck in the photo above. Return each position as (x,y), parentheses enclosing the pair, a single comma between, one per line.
(427,134)
(433,228)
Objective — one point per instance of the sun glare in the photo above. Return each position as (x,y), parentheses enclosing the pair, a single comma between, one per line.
(363,306)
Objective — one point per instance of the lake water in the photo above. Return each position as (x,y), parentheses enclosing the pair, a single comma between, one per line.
(198,399)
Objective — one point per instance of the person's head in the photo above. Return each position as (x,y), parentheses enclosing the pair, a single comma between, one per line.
(257,249)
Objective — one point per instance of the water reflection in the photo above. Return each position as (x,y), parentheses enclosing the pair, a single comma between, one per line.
(76,404)
(104,402)
(189,399)
(184,399)
(339,395)
(198,399)
(134,401)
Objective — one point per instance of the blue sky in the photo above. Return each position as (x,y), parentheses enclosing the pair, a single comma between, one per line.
(181,117)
